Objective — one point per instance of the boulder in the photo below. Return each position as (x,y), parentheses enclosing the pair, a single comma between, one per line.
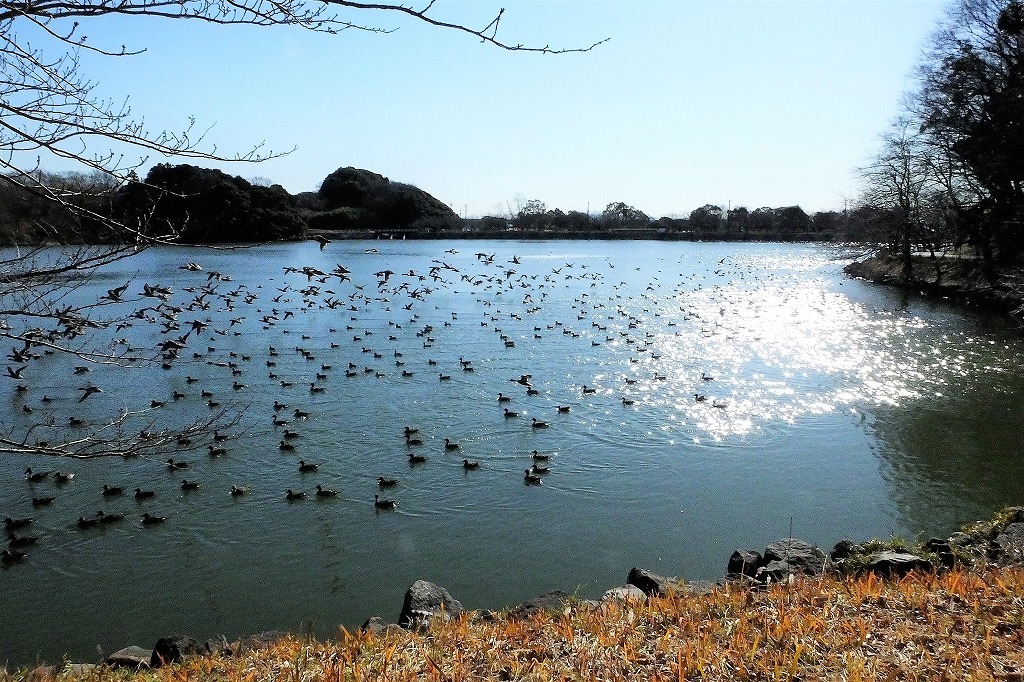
(801,555)
(173,649)
(423,601)
(844,549)
(942,550)
(130,657)
(894,563)
(745,562)
(258,642)
(699,588)
(553,601)
(625,593)
(82,670)
(374,625)
(1009,544)
(218,644)
(651,583)
(776,572)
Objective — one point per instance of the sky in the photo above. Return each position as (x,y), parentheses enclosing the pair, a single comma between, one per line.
(730,102)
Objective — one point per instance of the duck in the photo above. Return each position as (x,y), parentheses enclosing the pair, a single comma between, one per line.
(109,518)
(141,494)
(509,414)
(63,477)
(87,523)
(409,440)
(36,476)
(416,459)
(10,556)
(386,482)
(628,401)
(699,397)
(449,445)
(325,492)
(706,377)
(13,524)
(111,490)
(537,424)
(292,496)
(468,465)
(562,408)
(539,469)
(409,430)
(307,467)
(502,398)
(238,490)
(19,541)
(177,466)
(587,390)
(187,485)
(150,520)
(540,457)
(384,504)
(286,446)
(532,479)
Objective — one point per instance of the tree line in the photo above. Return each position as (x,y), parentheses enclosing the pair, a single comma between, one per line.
(949,177)
(202,205)
(708,222)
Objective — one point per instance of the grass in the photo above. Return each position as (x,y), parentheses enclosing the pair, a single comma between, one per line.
(963,624)
(958,625)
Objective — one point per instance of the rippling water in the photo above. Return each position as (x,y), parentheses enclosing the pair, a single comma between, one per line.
(836,409)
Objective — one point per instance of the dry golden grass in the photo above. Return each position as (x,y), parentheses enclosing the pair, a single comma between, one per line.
(956,625)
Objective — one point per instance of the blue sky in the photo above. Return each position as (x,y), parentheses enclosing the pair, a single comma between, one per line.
(754,103)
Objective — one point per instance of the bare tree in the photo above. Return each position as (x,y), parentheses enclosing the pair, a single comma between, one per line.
(958,150)
(50,109)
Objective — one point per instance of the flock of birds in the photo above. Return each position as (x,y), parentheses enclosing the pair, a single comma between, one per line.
(215,318)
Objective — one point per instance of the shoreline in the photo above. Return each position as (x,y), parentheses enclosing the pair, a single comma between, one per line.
(958,279)
(994,543)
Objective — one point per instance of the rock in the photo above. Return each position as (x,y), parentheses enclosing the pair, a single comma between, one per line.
(775,572)
(173,649)
(258,642)
(553,601)
(130,657)
(896,563)
(374,625)
(1009,544)
(844,549)
(699,588)
(942,550)
(218,644)
(625,593)
(651,583)
(82,670)
(745,562)
(423,601)
(801,555)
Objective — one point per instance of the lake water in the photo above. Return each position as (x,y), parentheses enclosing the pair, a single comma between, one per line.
(836,410)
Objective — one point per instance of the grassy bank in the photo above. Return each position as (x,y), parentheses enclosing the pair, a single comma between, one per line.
(961,624)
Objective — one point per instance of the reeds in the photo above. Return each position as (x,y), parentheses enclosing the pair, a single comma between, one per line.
(956,625)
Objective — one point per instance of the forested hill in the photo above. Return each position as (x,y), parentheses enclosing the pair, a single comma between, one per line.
(203,205)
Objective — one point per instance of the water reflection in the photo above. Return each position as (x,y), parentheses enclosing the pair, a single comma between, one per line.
(735,394)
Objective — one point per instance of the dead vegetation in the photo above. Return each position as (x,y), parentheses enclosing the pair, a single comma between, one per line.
(960,624)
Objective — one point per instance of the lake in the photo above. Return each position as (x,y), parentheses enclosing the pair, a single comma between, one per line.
(828,408)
